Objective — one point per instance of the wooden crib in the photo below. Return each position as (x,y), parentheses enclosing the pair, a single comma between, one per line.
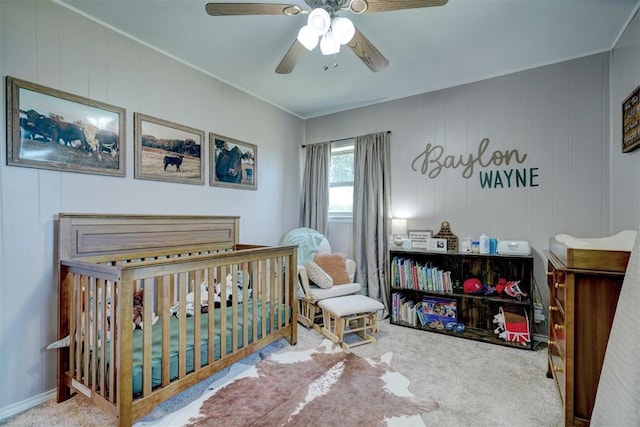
(177,261)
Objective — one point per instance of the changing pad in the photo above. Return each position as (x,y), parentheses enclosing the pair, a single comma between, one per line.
(578,252)
(622,241)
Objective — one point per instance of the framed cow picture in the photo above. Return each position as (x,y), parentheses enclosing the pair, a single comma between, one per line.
(166,151)
(234,164)
(51,129)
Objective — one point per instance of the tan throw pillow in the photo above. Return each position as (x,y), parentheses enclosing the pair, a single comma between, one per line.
(317,275)
(335,265)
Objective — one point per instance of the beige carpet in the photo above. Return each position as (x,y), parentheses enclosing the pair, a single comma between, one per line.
(475,384)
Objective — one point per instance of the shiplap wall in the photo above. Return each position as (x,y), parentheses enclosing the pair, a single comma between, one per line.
(45,43)
(557,114)
(625,167)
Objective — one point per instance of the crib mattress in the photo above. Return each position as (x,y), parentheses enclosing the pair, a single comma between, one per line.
(156,358)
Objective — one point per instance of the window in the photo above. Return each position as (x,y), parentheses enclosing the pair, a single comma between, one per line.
(341,180)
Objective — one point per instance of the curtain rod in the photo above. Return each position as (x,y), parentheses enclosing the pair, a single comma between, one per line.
(338,140)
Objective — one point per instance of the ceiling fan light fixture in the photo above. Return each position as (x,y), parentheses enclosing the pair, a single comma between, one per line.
(329,45)
(308,37)
(342,29)
(319,20)
(358,6)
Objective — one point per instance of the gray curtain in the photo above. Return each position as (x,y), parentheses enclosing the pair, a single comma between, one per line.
(371,208)
(314,212)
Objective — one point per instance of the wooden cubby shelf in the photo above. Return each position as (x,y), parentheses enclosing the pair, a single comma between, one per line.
(427,292)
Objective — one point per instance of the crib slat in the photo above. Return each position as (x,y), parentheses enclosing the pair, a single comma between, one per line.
(211,319)
(245,306)
(85,333)
(253,274)
(197,304)
(95,320)
(273,274)
(182,338)
(167,284)
(147,326)
(223,311)
(265,294)
(115,302)
(234,308)
(100,368)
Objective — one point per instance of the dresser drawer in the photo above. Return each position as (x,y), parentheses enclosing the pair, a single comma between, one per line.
(556,363)
(557,330)
(557,289)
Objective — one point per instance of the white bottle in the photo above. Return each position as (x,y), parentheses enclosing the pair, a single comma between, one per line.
(484,244)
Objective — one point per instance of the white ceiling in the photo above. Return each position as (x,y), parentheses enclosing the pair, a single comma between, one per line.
(428,48)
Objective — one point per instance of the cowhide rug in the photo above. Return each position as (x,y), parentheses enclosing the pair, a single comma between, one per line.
(319,387)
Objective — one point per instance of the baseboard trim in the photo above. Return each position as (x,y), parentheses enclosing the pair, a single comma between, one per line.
(16,408)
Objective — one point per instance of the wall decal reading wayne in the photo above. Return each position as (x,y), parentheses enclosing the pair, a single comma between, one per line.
(434,161)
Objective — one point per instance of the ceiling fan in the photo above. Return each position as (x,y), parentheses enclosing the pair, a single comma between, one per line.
(325,25)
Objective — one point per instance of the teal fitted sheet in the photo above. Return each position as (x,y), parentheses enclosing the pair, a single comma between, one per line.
(279,320)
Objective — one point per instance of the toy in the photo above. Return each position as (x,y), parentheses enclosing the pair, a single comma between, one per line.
(513,290)
(512,327)
(499,320)
(138,310)
(472,286)
(217,297)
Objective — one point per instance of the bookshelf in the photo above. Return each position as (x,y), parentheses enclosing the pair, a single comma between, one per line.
(427,292)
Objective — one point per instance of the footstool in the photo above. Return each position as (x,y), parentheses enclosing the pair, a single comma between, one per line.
(350,314)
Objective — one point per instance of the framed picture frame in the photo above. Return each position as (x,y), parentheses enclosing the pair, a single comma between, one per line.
(233,163)
(631,122)
(167,151)
(437,245)
(419,238)
(51,129)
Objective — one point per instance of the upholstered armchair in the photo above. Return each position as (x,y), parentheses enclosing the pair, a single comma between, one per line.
(321,274)
(310,293)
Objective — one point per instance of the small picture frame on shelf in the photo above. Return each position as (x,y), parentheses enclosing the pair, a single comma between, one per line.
(419,238)
(437,245)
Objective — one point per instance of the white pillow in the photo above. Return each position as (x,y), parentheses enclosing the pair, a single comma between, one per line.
(317,275)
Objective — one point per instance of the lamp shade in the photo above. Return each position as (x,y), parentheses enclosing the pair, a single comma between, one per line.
(308,37)
(319,21)
(343,29)
(329,45)
(398,226)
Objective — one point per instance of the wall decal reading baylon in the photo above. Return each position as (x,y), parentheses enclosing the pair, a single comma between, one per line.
(434,160)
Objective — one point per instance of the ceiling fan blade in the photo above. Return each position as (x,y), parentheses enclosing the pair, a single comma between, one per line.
(227,9)
(386,5)
(291,58)
(367,52)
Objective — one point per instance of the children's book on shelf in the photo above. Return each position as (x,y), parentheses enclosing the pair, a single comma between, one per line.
(407,273)
(439,309)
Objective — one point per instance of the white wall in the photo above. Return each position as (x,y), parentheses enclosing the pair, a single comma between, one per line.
(45,43)
(625,167)
(556,114)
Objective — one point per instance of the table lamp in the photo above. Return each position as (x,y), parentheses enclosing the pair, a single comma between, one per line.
(398,230)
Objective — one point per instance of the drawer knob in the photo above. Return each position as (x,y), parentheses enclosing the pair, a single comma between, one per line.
(559,285)
(553,308)
(551,342)
(557,327)
(557,368)
(549,273)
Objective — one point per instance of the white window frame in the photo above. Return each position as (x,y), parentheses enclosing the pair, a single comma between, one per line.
(342,147)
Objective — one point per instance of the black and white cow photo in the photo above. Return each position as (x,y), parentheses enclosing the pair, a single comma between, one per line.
(234,163)
(56,130)
(167,151)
